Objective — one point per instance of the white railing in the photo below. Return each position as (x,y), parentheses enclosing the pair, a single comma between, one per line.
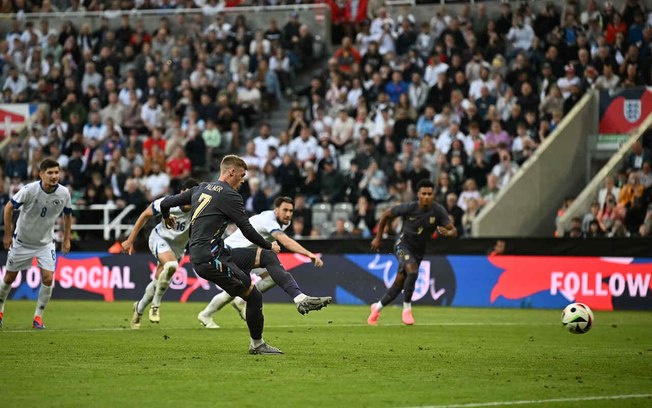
(108,225)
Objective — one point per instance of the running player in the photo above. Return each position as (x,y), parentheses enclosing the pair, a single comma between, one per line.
(420,220)
(213,206)
(40,203)
(271,226)
(168,246)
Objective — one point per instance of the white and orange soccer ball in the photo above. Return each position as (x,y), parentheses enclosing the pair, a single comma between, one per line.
(577,318)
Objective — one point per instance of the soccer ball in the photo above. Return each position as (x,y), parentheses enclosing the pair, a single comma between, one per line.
(577,318)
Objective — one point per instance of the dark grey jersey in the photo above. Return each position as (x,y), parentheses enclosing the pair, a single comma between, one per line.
(418,224)
(214,205)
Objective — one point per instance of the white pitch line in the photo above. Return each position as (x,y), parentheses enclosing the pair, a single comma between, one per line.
(286,326)
(542,401)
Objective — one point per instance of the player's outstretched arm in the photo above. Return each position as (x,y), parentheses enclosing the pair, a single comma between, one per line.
(297,248)
(385,219)
(128,244)
(448,231)
(9,225)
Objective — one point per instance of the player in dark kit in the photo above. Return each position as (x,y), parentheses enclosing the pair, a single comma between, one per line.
(214,205)
(420,221)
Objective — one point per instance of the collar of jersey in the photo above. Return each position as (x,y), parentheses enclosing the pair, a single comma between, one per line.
(40,183)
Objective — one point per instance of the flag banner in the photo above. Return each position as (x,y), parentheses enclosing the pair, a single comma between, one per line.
(14,116)
(623,111)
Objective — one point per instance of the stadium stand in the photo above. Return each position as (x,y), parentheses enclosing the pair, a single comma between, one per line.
(130,106)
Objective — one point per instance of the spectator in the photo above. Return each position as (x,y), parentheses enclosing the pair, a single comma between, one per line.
(470,214)
(505,170)
(248,100)
(178,168)
(346,56)
(636,157)
(331,182)
(630,191)
(255,202)
(264,141)
(289,177)
(454,211)
(608,80)
(151,113)
(363,219)
(16,86)
(304,147)
(609,188)
(340,231)
(396,87)
(16,166)
(609,214)
(157,183)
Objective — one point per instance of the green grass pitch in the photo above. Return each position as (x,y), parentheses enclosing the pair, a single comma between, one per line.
(88,357)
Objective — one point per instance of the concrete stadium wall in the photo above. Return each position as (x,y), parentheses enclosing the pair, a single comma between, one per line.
(582,203)
(528,205)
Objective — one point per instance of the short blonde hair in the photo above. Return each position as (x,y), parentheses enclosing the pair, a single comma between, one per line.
(230,161)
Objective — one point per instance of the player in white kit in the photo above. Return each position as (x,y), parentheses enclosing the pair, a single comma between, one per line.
(271,226)
(40,203)
(168,246)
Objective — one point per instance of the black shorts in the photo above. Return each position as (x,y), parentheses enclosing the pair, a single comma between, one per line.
(405,254)
(230,271)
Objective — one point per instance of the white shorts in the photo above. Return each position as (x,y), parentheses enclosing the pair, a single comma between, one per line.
(158,245)
(20,257)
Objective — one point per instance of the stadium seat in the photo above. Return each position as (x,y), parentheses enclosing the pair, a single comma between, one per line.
(342,210)
(321,213)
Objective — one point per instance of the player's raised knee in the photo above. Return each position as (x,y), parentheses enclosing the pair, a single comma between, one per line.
(169,268)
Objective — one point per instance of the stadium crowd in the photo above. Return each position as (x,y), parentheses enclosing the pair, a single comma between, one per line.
(461,99)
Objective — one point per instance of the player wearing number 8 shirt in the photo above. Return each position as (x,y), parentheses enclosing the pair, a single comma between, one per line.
(168,246)
(40,203)
(214,205)
(420,221)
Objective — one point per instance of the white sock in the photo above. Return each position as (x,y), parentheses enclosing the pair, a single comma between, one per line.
(161,288)
(407,306)
(255,343)
(265,284)
(44,295)
(240,302)
(147,297)
(299,298)
(378,305)
(5,288)
(218,302)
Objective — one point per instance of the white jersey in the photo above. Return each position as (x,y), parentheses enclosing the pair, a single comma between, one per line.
(177,237)
(264,223)
(39,211)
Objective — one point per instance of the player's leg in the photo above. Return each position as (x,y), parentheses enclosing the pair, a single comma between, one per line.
(412,274)
(5,288)
(140,305)
(169,265)
(227,275)
(264,284)
(393,291)
(19,258)
(267,259)
(205,316)
(390,294)
(44,295)
(46,259)
(222,299)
